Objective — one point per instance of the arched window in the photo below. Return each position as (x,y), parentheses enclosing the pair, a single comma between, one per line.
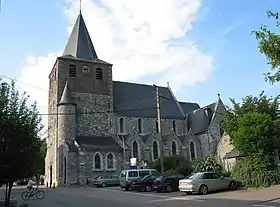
(139,125)
(135,149)
(97,161)
(174,148)
(72,71)
(98,74)
(174,126)
(121,125)
(110,161)
(155,150)
(192,150)
(157,126)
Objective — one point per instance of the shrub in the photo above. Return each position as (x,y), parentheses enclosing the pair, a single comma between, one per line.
(254,172)
(206,164)
(178,163)
(225,173)
(171,172)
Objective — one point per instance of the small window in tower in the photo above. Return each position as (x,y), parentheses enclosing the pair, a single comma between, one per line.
(99,74)
(85,112)
(72,71)
(140,126)
(157,126)
(174,126)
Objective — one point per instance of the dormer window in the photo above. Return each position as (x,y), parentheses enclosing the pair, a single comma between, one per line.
(72,71)
(99,74)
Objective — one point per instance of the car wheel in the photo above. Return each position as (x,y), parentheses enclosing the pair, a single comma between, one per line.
(127,188)
(148,188)
(203,190)
(103,185)
(232,185)
(168,188)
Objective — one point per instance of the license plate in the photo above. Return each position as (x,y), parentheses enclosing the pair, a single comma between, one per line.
(155,186)
(133,182)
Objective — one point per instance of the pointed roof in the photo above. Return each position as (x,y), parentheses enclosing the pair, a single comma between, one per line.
(67,97)
(79,44)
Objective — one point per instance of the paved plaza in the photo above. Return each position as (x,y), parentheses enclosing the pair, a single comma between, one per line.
(114,196)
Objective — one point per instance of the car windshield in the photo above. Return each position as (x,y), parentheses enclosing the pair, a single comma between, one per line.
(146,177)
(160,178)
(193,176)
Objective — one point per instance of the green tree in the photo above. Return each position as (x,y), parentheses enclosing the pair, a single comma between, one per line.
(254,134)
(41,159)
(269,45)
(19,141)
(253,126)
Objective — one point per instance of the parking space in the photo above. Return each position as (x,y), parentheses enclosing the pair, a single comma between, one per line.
(213,195)
(172,194)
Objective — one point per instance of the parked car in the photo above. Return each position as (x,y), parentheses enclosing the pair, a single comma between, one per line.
(167,183)
(144,184)
(127,176)
(204,182)
(22,182)
(104,181)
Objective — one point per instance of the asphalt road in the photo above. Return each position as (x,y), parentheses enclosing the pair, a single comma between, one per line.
(108,197)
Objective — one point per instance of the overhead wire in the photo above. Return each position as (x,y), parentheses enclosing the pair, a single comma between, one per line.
(86,101)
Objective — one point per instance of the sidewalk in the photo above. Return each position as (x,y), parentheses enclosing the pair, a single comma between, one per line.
(261,194)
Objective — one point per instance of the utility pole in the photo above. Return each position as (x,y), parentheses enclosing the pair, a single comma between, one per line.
(123,145)
(159,129)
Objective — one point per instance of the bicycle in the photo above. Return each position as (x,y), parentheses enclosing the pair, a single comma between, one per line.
(39,194)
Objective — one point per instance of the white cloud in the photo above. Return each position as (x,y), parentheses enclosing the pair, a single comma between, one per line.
(138,38)
(34,80)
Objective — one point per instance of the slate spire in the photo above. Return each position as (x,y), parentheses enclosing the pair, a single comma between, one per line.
(67,97)
(79,44)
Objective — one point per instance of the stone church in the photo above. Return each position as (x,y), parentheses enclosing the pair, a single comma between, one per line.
(96,124)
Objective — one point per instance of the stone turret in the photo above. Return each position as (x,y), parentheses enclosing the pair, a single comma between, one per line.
(66,116)
(66,132)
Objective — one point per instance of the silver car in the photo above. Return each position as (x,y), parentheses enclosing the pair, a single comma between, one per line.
(204,182)
(103,181)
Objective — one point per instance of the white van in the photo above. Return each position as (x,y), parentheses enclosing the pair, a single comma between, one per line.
(127,176)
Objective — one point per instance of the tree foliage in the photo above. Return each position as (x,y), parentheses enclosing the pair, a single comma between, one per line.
(19,141)
(40,167)
(207,164)
(253,125)
(269,45)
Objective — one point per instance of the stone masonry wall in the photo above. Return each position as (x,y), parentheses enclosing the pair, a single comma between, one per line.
(96,120)
(224,146)
(66,133)
(92,173)
(50,159)
(148,125)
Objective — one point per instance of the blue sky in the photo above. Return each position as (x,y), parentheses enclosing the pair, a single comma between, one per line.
(221,29)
